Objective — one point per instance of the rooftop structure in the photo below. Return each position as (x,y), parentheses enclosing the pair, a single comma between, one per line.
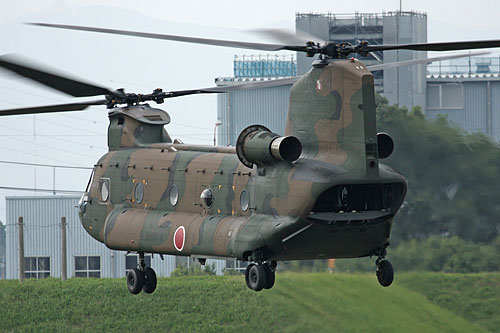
(264,66)
(404,86)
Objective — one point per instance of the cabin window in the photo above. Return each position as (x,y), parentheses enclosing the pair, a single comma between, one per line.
(139,192)
(207,197)
(174,195)
(244,200)
(104,189)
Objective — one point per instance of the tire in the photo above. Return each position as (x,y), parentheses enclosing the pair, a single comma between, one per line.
(135,281)
(247,273)
(270,277)
(150,281)
(256,277)
(385,273)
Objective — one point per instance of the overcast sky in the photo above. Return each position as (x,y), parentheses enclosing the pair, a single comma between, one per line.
(139,65)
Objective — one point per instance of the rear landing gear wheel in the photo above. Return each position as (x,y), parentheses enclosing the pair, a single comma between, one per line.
(135,281)
(270,274)
(256,277)
(385,272)
(149,280)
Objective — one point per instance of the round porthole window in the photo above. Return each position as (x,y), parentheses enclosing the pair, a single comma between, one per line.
(104,189)
(207,198)
(139,192)
(244,200)
(174,195)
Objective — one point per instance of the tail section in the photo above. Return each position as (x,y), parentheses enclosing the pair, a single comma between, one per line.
(332,113)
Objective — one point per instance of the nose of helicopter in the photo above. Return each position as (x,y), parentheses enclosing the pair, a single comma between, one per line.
(82,204)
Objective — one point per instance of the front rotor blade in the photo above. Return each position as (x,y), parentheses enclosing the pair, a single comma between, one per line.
(69,86)
(446,46)
(51,108)
(234,87)
(422,61)
(195,40)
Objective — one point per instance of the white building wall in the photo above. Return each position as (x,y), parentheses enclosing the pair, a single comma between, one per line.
(42,237)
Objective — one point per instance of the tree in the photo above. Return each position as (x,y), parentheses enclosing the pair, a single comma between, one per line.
(453,177)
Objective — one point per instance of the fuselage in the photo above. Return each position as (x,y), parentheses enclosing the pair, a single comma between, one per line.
(277,219)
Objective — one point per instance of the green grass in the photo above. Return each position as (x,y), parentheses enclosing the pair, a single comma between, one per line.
(475,297)
(297,303)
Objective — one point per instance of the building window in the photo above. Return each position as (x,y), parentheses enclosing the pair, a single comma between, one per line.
(236,266)
(445,96)
(88,266)
(132,261)
(36,267)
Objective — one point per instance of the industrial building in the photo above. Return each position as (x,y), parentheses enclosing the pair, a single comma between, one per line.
(467,92)
(86,257)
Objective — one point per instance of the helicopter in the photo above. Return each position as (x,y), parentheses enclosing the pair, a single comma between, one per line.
(319,191)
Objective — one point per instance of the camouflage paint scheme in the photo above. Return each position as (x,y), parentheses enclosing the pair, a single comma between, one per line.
(332,113)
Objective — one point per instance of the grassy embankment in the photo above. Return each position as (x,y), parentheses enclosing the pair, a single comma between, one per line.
(416,302)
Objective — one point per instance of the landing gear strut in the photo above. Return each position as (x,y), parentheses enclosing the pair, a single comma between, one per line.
(385,272)
(141,278)
(261,275)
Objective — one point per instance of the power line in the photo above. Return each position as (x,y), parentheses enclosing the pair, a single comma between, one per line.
(33,154)
(67,126)
(52,135)
(39,190)
(53,148)
(47,165)
(49,137)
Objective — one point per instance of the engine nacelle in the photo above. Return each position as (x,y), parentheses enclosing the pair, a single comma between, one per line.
(256,144)
(385,145)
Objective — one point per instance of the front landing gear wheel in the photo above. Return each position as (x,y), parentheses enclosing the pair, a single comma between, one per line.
(385,273)
(135,281)
(149,280)
(256,277)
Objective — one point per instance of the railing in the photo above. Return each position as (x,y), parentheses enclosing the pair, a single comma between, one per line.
(466,66)
(264,66)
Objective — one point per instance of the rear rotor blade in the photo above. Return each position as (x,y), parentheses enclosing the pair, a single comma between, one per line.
(422,61)
(195,40)
(289,37)
(69,86)
(51,108)
(446,46)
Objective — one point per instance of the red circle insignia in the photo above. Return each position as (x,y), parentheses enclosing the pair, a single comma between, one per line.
(179,237)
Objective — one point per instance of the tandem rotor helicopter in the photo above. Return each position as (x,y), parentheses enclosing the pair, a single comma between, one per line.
(320,191)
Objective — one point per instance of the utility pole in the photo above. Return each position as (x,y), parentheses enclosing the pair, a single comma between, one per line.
(218,123)
(20,225)
(64,261)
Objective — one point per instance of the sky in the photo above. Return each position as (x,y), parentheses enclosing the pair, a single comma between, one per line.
(140,65)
